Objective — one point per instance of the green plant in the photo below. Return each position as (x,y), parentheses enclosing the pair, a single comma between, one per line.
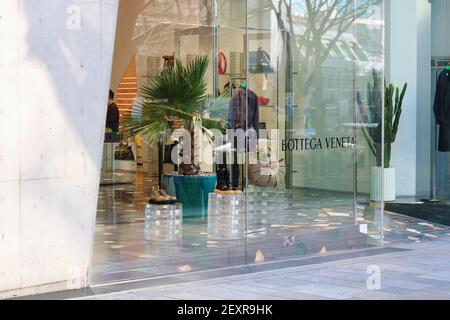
(393,108)
(178,93)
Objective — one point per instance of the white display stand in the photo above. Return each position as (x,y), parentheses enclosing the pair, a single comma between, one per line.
(163,222)
(108,163)
(226,216)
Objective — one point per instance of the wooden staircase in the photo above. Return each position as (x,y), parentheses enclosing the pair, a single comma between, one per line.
(127,90)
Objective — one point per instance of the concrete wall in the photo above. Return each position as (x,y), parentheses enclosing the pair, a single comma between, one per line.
(55,76)
(409,56)
(425,116)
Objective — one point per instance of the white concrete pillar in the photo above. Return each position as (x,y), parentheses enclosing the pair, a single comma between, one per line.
(55,70)
(408,59)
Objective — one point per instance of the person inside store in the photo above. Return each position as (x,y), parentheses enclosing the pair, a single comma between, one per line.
(113,116)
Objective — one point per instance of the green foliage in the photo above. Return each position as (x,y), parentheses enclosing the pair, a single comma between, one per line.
(393,108)
(177,93)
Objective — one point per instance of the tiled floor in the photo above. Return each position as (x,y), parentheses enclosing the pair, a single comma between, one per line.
(421,273)
(292,225)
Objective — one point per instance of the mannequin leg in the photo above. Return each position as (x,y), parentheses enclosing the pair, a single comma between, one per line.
(235,171)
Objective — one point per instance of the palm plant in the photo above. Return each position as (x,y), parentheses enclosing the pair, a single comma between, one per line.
(178,93)
(393,108)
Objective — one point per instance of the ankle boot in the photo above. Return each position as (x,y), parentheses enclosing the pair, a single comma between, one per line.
(221,181)
(226,175)
(167,196)
(157,198)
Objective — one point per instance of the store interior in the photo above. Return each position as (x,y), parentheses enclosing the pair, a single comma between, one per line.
(431,201)
(317,199)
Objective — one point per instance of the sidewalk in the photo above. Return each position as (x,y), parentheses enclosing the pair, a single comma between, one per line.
(421,273)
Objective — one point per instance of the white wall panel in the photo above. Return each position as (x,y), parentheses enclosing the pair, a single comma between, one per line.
(409,58)
(10,261)
(9,154)
(52,115)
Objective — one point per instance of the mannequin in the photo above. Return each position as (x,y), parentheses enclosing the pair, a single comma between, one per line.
(243,114)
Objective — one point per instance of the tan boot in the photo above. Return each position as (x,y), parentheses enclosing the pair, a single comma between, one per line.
(157,198)
(167,196)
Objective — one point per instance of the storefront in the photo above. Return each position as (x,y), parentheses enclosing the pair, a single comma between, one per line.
(303,187)
(309,75)
(312,181)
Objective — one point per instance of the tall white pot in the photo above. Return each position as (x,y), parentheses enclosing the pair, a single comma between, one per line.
(389,184)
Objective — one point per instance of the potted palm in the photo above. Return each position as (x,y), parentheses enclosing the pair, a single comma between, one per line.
(179,94)
(393,108)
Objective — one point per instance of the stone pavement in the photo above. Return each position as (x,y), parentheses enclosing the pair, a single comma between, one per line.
(421,273)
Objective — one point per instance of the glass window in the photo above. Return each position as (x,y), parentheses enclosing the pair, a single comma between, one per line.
(282,116)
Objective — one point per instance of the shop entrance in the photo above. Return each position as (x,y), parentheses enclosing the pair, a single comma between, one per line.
(301,189)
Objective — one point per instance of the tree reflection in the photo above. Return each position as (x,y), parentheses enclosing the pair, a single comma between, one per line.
(315,28)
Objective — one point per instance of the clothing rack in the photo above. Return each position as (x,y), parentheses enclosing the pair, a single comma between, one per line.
(436,64)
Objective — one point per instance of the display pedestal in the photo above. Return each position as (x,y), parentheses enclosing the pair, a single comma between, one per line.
(163,222)
(108,163)
(226,217)
(264,205)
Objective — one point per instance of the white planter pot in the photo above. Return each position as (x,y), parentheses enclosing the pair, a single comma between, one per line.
(389,184)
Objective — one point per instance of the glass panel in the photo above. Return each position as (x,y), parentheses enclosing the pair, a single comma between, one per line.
(309,63)
(370,152)
(169,239)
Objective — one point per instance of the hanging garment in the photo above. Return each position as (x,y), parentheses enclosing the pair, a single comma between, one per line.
(442,110)
(237,114)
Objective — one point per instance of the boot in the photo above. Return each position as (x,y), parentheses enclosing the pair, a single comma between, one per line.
(222,183)
(157,198)
(226,178)
(167,196)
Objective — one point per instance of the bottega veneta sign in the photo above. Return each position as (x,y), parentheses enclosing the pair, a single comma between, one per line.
(303,144)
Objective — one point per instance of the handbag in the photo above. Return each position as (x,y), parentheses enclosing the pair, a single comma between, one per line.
(269,172)
(222,63)
(268,175)
(124,152)
(259,62)
(169,61)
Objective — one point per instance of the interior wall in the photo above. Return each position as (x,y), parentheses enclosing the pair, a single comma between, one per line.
(56,72)
(126,43)
(158,46)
